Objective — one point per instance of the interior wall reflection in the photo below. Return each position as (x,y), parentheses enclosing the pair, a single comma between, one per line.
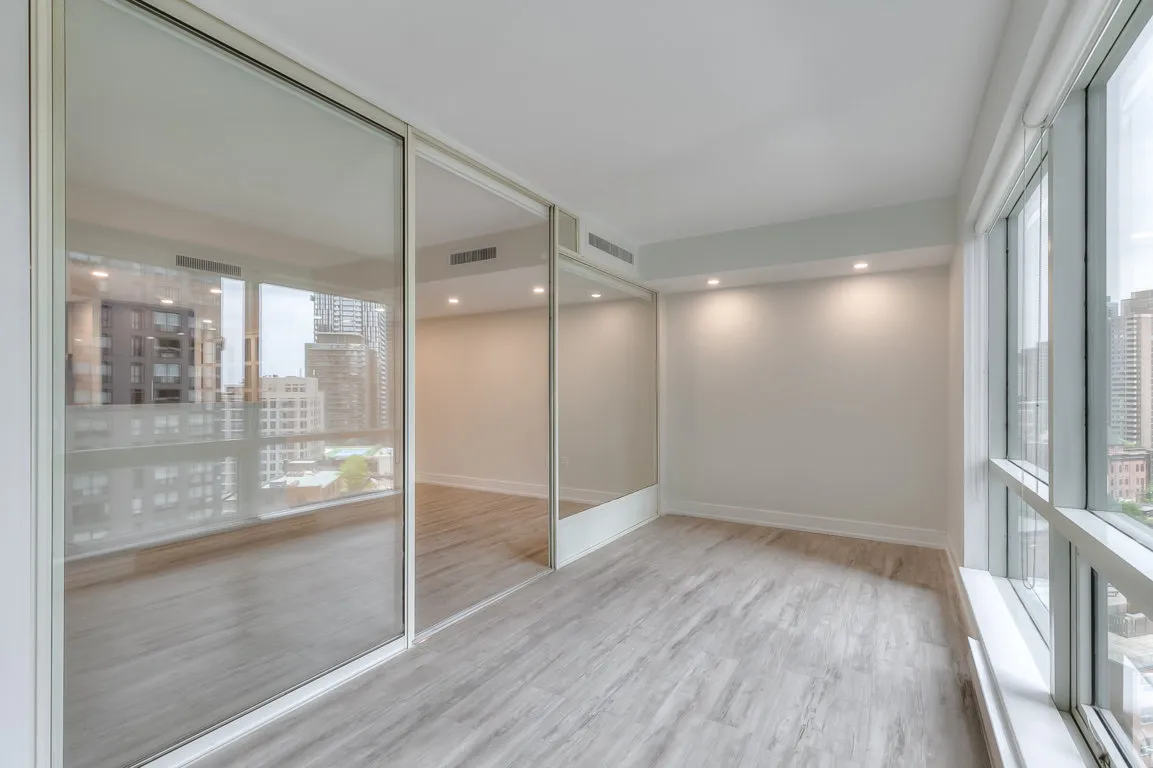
(606,389)
(482,385)
(232,519)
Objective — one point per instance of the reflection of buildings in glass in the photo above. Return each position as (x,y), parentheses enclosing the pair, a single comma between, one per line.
(370,321)
(290,405)
(143,369)
(1130,671)
(345,369)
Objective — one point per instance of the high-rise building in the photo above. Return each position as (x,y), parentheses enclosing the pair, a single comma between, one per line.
(290,405)
(343,366)
(1131,369)
(369,320)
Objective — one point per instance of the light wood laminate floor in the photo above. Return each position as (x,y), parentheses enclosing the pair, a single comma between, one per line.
(687,643)
(155,658)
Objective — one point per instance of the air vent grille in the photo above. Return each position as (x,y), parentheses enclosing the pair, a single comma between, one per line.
(614,250)
(204,265)
(470,257)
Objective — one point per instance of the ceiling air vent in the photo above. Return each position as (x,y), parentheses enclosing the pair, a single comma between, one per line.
(612,249)
(469,257)
(204,265)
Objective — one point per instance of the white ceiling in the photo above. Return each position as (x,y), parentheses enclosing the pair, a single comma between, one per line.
(671,119)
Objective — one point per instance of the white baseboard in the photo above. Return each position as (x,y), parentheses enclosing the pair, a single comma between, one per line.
(588,531)
(514,488)
(857,529)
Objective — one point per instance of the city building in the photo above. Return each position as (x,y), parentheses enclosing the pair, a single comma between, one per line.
(289,405)
(346,372)
(1129,474)
(369,320)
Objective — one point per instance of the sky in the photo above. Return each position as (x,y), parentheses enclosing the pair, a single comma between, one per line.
(286,316)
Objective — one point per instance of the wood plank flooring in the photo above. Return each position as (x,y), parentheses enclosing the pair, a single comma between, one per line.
(686,643)
(153,659)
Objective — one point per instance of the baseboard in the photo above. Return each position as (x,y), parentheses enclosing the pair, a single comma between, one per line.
(585,532)
(897,534)
(514,488)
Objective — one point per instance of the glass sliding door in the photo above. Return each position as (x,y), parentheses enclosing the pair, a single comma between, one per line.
(607,387)
(233,314)
(482,390)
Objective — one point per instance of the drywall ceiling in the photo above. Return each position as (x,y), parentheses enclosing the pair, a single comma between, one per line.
(199,133)
(887,261)
(672,119)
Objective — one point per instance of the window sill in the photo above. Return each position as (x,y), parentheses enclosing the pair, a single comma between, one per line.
(1024,729)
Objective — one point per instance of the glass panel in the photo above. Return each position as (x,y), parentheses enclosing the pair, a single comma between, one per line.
(1128,684)
(1029,560)
(606,370)
(213,555)
(1029,443)
(482,393)
(1129,286)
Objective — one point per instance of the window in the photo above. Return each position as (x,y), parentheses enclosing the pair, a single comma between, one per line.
(1028,560)
(1125,697)
(137,346)
(136,373)
(136,319)
(105,316)
(166,373)
(105,341)
(166,322)
(1028,401)
(1128,262)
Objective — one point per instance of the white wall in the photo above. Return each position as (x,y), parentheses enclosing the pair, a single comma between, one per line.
(17,643)
(482,400)
(606,366)
(818,404)
(955,512)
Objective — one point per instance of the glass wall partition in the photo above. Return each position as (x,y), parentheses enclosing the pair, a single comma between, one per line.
(482,388)
(606,387)
(232,515)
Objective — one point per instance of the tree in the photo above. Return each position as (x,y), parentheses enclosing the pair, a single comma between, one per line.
(354,473)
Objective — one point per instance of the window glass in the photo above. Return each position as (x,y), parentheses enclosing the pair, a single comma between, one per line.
(1129,284)
(208,567)
(1029,387)
(1128,685)
(1028,560)
(606,387)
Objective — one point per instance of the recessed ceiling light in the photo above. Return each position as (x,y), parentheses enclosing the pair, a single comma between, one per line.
(78,341)
(208,322)
(150,337)
(596,295)
(99,273)
(714,281)
(538,289)
(861,265)
(166,301)
(215,290)
(379,309)
(454,300)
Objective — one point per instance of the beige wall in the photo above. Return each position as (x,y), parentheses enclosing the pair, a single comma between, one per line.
(482,400)
(816,399)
